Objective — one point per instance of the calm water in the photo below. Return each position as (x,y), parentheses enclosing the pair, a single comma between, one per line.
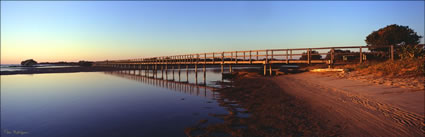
(104,104)
(18,67)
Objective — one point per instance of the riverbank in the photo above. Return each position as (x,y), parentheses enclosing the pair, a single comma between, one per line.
(310,104)
(58,70)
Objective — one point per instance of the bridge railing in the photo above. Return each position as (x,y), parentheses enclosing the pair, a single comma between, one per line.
(268,56)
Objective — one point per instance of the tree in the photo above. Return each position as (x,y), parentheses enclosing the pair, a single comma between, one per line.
(337,54)
(28,62)
(394,34)
(314,55)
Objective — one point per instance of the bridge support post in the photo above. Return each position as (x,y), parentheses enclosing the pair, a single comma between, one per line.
(196,68)
(146,70)
(173,71)
(134,69)
(222,68)
(205,75)
(162,72)
(166,72)
(230,68)
(196,74)
(265,69)
(187,73)
(270,69)
(140,69)
(156,70)
(151,68)
(179,71)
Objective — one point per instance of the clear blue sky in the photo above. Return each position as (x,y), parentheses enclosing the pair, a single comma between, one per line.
(99,30)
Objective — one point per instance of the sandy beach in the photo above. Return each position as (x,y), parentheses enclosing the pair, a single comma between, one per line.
(361,108)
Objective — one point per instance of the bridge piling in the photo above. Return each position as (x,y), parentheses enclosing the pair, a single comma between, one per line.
(222,68)
(134,68)
(270,69)
(179,71)
(166,72)
(172,67)
(196,74)
(139,69)
(205,75)
(156,70)
(196,77)
(187,73)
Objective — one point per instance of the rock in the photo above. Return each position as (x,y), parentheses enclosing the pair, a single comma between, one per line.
(28,63)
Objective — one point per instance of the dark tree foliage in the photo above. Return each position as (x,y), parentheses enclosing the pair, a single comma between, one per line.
(28,62)
(314,56)
(392,35)
(337,54)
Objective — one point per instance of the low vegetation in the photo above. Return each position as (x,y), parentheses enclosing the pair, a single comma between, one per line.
(404,68)
(411,67)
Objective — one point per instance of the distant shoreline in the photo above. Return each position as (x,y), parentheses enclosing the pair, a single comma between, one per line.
(58,70)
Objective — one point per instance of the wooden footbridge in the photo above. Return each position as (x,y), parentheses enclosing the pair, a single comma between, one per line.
(267,58)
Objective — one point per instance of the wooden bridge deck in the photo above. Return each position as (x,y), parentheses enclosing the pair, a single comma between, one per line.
(267,58)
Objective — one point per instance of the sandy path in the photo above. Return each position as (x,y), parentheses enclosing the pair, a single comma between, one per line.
(363,109)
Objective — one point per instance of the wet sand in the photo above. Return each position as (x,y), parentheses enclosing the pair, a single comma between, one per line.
(362,108)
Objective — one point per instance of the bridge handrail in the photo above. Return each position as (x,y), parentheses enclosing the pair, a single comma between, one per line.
(235,55)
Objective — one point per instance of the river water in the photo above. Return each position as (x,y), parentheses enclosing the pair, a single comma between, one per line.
(106,104)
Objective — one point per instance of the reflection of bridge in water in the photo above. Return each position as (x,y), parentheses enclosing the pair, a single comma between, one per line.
(183,87)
